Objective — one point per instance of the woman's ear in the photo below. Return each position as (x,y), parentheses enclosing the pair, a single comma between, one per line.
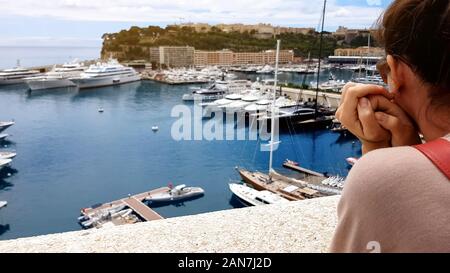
(394,77)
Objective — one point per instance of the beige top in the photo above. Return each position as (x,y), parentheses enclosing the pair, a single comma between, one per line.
(395,200)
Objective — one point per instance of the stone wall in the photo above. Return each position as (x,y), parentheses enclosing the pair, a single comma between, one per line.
(303,226)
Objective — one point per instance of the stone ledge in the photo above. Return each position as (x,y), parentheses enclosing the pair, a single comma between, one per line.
(297,227)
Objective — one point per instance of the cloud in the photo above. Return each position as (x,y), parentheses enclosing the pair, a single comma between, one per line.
(278,12)
(374,2)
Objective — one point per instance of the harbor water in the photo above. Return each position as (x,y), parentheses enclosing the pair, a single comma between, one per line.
(70,156)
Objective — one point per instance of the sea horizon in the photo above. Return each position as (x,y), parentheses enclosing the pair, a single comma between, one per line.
(31,56)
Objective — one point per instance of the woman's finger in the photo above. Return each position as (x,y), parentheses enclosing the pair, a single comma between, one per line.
(371,128)
(403,132)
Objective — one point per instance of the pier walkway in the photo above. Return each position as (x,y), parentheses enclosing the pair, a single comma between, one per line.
(142,210)
(133,202)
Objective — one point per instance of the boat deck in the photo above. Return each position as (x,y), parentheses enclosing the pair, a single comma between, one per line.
(133,202)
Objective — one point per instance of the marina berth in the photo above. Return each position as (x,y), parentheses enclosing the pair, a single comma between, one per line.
(5,125)
(17,75)
(106,74)
(250,196)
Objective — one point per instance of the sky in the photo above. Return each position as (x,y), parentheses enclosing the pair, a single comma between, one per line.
(82,22)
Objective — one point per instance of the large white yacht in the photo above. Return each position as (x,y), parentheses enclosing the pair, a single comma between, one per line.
(106,74)
(17,75)
(254,197)
(57,78)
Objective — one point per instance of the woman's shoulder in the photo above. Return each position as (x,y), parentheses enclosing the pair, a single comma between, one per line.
(391,171)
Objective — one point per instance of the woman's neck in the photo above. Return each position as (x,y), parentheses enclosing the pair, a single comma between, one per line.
(434,122)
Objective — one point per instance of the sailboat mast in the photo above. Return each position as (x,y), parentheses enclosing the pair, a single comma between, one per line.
(368,54)
(272,129)
(320,55)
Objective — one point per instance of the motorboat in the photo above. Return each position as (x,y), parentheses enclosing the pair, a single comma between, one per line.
(374,79)
(5,125)
(17,75)
(332,84)
(3,136)
(59,77)
(4,163)
(176,194)
(254,197)
(214,92)
(106,74)
(7,155)
(261,105)
(3,204)
(266,70)
(239,105)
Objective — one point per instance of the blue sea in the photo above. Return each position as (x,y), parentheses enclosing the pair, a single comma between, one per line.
(41,56)
(70,156)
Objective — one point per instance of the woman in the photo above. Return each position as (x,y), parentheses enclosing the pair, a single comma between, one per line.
(396,199)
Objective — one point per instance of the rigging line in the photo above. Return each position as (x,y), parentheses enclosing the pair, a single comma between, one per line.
(246,142)
(293,143)
(254,153)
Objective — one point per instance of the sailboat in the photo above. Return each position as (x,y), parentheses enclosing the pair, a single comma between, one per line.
(321,118)
(286,187)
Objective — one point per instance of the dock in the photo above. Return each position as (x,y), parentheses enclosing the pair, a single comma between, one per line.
(133,202)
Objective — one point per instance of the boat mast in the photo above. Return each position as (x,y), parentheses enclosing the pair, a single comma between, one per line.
(272,129)
(368,54)
(320,56)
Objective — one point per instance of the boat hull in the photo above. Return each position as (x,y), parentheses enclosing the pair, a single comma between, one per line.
(5,126)
(49,84)
(168,198)
(11,81)
(105,81)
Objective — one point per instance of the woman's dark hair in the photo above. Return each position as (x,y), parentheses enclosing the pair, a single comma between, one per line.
(417,32)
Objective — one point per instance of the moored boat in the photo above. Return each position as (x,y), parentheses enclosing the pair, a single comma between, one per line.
(7,155)
(106,74)
(4,163)
(5,125)
(3,136)
(17,75)
(254,197)
(178,193)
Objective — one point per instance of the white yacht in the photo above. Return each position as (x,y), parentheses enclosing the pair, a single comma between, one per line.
(3,204)
(4,163)
(239,105)
(3,136)
(266,70)
(214,92)
(106,74)
(5,125)
(254,197)
(17,75)
(375,79)
(57,78)
(332,84)
(261,105)
(7,155)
